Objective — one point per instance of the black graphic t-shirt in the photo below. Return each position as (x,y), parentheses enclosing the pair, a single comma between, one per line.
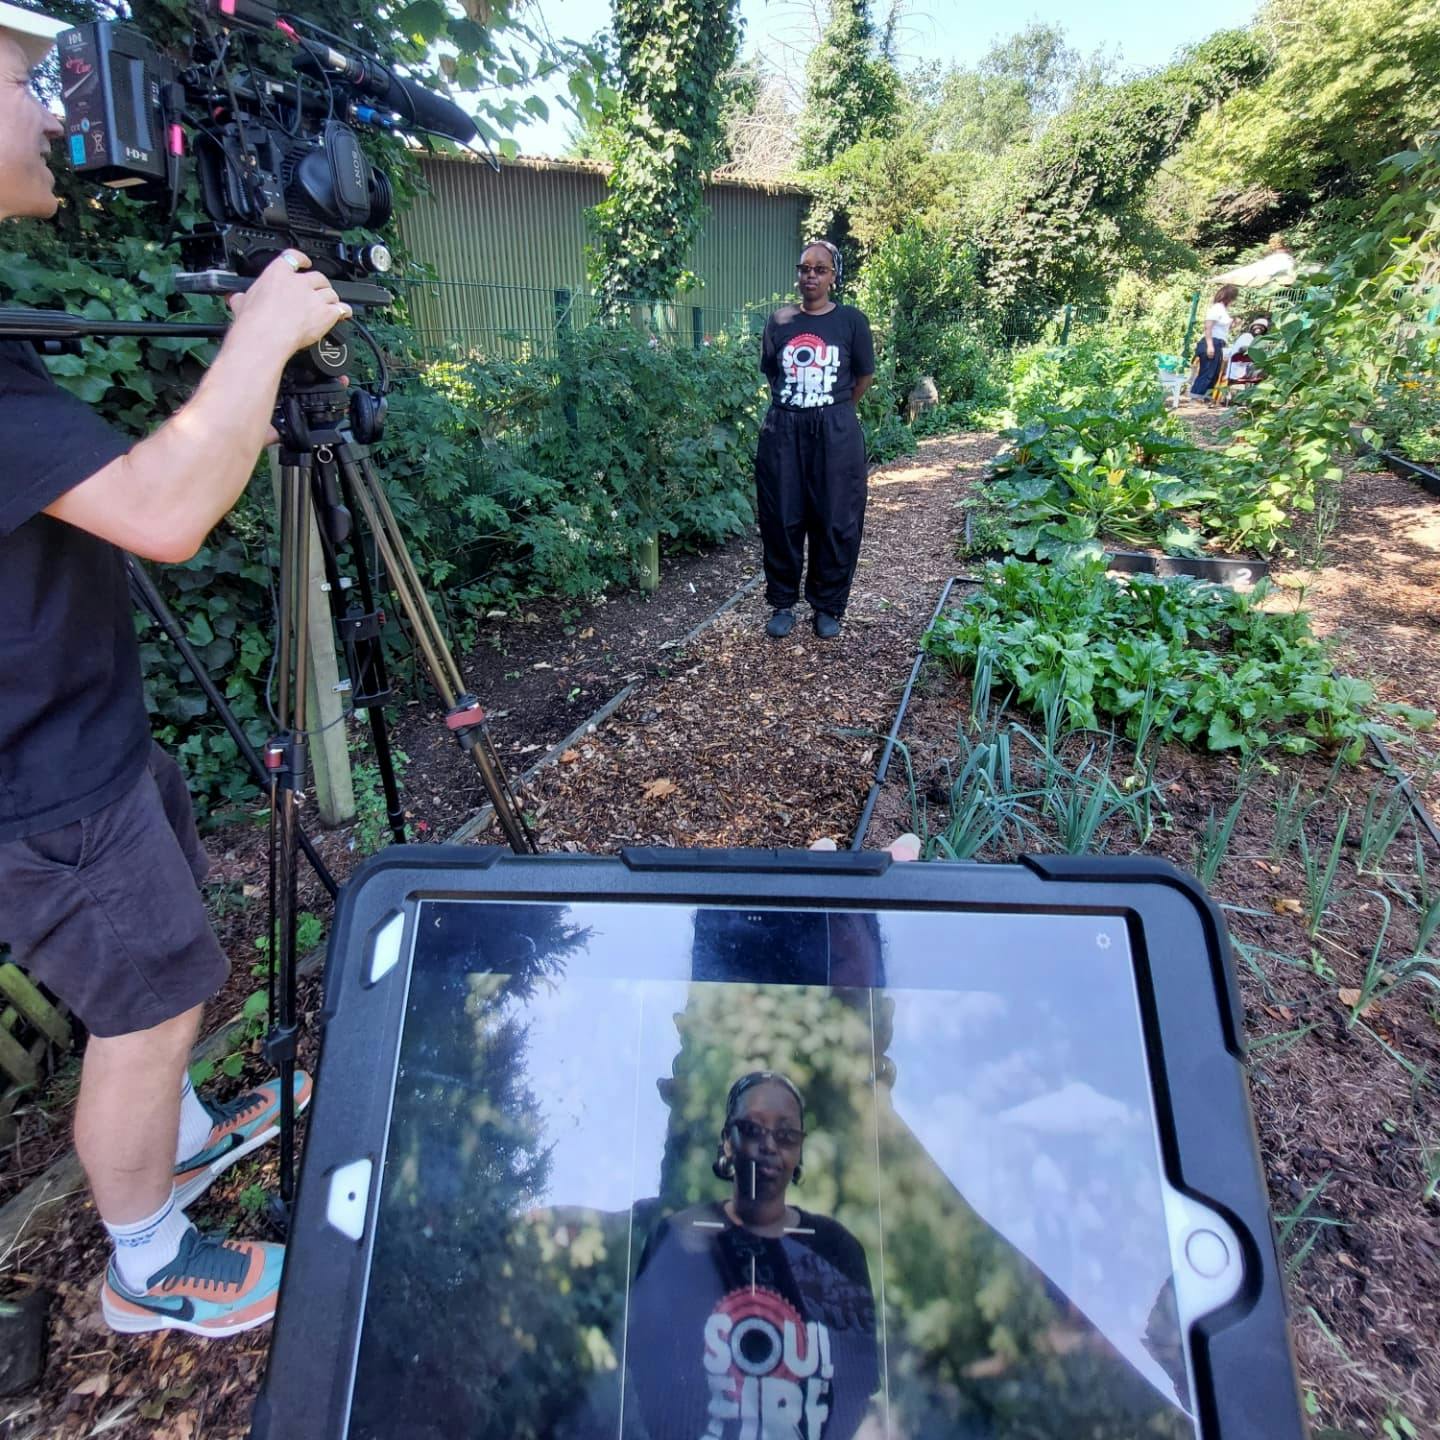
(735,1336)
(813,360)
(73,729)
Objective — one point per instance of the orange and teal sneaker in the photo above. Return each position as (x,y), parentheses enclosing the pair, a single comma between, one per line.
(212,1287)
(241,1125)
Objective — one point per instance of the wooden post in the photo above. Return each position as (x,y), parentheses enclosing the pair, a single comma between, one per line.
(649,568)
(329,754)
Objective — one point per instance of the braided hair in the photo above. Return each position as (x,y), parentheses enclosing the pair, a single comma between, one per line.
(724,1165)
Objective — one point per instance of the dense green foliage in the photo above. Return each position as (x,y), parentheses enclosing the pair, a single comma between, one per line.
(1059,215)
(1406,417)
(672,54)
(1069,477)
(513,479)
(1201,664)
(1351,82)
(923,292)
(1092,457)
(1372,314)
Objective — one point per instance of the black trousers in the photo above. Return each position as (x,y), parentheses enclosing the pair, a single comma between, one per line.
(1210,365)
(810,486)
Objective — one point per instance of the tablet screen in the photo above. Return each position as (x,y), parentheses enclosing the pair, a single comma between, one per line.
(666,1172)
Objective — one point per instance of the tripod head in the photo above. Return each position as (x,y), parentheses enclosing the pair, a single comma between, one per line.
(315,395)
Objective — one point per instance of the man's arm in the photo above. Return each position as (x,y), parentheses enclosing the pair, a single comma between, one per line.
(862,384)
(161,499)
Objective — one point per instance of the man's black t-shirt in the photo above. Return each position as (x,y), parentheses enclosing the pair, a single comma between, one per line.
(732,1334)
(813,360)
(73,729)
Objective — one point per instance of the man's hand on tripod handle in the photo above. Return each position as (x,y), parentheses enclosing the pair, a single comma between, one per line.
(162,498)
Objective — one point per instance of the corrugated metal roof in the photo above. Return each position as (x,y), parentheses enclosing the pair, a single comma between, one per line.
(598,167)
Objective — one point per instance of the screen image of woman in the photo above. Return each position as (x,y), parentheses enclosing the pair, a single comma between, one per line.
(750,1317)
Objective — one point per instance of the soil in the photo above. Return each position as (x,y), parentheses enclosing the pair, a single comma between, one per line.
(1348,1114)
(739,740)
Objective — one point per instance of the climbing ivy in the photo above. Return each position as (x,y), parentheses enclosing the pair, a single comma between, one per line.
(672,54)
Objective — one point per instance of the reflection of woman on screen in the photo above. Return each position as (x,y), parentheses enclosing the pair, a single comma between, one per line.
(751,1319)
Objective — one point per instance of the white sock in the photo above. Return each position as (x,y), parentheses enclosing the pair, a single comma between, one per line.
(195,1124)
(148,1245)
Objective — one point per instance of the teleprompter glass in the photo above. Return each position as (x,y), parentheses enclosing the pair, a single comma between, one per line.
(575,1238)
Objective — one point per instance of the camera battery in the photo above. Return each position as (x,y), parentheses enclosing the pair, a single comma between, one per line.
(112,83)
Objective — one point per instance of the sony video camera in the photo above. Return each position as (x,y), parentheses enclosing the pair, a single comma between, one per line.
(277,158)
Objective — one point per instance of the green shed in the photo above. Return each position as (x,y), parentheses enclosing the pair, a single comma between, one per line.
(508,250)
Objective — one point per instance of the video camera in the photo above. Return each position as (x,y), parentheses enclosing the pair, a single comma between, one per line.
(278,161)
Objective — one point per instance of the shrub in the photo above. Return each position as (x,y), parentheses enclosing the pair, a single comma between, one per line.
(919,289)
(545,476)
(1406,416)
(1072,477)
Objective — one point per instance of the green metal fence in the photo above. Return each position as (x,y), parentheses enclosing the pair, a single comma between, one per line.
(460,319)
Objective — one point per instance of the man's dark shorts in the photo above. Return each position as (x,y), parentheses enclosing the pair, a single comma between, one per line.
(107,912)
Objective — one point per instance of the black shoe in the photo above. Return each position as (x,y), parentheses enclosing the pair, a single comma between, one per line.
(781,624)
(827,627)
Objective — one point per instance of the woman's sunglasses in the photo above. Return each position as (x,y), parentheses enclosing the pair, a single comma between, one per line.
(784,1136)
(813,270)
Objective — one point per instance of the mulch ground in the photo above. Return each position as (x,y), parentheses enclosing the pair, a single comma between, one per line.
(738,740)
(1348,1115)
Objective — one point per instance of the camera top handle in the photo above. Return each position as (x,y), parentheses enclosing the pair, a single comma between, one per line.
(354,293)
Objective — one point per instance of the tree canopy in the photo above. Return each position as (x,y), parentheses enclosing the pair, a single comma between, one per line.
(852,90)
(1349,84)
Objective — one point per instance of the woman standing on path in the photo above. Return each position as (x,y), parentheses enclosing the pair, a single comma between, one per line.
(1210,352)
(810,464)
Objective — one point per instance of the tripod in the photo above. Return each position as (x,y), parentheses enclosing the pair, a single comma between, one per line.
(326,473)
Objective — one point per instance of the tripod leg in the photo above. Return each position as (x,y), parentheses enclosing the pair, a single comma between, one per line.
(144,593)
(365,661)
(285,757)
(362,482)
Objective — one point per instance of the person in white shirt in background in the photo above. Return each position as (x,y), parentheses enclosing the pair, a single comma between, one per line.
(1210,351)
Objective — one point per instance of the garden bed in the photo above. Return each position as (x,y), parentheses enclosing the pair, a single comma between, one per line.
(737,740)
(1348,1113)
(1427,476)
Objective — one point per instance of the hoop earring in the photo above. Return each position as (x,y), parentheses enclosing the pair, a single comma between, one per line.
(723,1167)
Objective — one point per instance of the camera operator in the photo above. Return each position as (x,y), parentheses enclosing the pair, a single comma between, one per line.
(99,859)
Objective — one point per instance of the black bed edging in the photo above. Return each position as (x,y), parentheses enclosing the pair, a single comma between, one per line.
(1218,569)
(1221,570)
(1417,805)
(857,840)
(1423,475)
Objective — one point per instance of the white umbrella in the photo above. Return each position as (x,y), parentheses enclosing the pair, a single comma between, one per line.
(1276,268)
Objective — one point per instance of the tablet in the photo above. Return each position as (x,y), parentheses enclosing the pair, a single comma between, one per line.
(778,1146)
